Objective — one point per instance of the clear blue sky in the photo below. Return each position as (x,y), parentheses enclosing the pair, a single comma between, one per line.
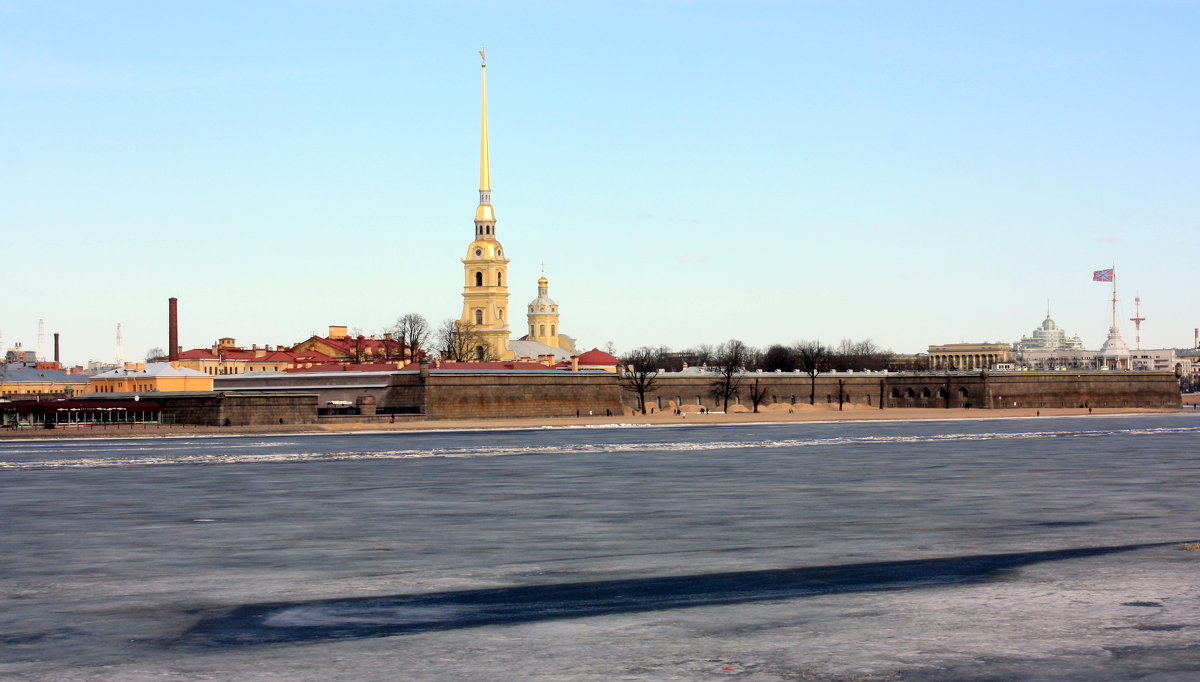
(916,172)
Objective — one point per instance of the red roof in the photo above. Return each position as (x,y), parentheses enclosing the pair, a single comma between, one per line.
(335,367)
(197,354)
(596,356)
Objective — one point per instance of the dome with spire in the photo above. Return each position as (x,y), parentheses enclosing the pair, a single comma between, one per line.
(1048,336)
(543,303)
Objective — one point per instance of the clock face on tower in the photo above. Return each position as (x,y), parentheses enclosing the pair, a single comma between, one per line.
(478,252)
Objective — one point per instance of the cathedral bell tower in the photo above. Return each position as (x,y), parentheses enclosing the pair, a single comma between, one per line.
(485,290)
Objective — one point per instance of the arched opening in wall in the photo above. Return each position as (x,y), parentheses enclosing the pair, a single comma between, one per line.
(551,330)
(698,401)
(942,393)
(895,393)
(478,316)
(925,393)
(774,398)
(542,330)
(499,279)
(867,399)
(479,353)
(532,331)
(678,401)
(909,393)
(479,279)
(500,313)
(828,397)
(962,393)
(658,401)
(737,400)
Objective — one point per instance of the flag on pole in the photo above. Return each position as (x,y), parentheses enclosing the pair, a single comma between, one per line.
(1103,275)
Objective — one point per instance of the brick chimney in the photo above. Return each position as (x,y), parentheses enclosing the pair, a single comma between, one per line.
(173,329)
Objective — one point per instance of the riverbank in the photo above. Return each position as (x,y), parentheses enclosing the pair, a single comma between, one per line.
(819,413)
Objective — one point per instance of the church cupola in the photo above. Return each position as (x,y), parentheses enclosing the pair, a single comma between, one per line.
(543,316)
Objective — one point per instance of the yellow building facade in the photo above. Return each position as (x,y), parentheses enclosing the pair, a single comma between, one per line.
(150,377)
(969,355)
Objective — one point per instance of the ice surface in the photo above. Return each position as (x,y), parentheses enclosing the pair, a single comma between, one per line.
(114,552)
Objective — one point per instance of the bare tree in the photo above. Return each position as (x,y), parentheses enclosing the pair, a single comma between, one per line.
(758,394)
(639,372)
(729,362)
(411,330)
(780,358)
(459,341)
(841,393)
(156,354)
(814,359)
(702,355)
(850,355)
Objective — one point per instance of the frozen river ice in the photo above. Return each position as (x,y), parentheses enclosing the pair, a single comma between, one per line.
(982,549)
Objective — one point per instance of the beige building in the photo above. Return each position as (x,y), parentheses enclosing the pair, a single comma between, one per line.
(969,355)
(149,377)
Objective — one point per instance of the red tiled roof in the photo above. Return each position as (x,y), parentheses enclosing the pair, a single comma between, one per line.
(334,367)
(596,356)
(197,354)
(492,365)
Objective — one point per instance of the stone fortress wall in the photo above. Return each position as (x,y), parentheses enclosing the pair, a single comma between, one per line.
(498,394)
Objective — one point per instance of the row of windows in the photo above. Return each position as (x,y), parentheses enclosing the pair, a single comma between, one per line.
(542,329)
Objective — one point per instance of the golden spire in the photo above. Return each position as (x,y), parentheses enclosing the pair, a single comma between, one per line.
(484,212)
(484,179)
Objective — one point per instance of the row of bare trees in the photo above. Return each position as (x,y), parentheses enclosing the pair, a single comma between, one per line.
(729,362)
(453,340)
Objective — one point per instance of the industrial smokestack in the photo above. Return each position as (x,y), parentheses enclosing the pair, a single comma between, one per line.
(173,329)
(56,357)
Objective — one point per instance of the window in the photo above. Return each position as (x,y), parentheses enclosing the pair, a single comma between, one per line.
(500,313)
(532,331)
(542,330)
(551,330)
(478,316)
(499,279)
(479,279)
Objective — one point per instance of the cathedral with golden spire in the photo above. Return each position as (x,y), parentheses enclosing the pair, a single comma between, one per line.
(485,288)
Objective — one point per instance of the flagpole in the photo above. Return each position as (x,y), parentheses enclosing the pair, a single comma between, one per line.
(1114,295)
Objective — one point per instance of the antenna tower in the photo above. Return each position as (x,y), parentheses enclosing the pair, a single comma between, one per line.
(1137,321)
(120,349)
(41,347)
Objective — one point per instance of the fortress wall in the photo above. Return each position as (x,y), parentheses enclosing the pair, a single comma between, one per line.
(212,409)
(1037,389)
(967,389)
(250,410)
(563,394)
(783,388)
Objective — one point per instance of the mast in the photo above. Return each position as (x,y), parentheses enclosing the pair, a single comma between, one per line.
(1137,321)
